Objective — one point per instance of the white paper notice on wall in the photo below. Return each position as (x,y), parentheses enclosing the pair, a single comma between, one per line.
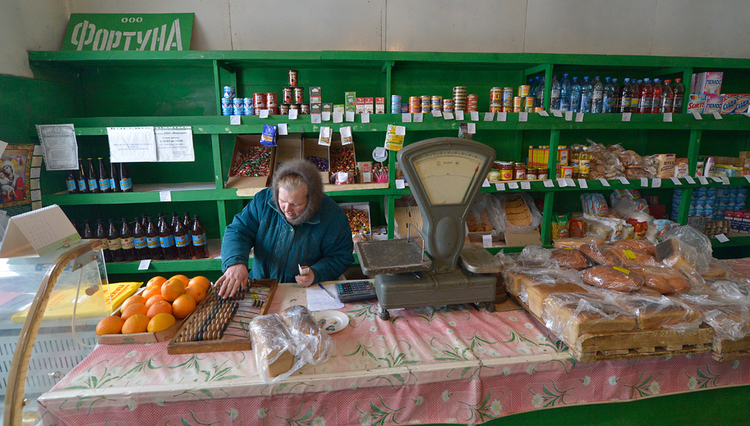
(59,146)
(131,144)
(174,144)
(37,233)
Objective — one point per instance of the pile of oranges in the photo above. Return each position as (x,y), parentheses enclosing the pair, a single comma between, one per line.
(158,307)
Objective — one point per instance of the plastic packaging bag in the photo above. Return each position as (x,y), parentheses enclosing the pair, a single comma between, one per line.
(313,345)
(570,315)
(276,355)
(730,319)
(517,213)
(684,246)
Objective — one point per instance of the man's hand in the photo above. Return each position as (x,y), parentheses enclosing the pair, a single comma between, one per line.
(305,280)
(233,279)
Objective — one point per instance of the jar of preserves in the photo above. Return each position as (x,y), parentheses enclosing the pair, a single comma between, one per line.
(531,173)
(542,173)
(584,163)
(519,171)
(506,171)
(493,176)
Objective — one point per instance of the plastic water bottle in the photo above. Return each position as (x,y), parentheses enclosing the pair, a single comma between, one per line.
(635,87)
(539,94)
(615,95)
(645,97)
(667,97)
(656,96)
(587,92)
(625,94)
(565,93)
(575,96)
(608,96)
(679,95)
(598,97)
(554,98)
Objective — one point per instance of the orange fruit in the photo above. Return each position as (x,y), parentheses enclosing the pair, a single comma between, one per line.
(157,280)
(131,300)
(138,323)
(196,291)
(162,307)
(172,289)
(160,322)
(150,291)
(201,281)
(132,309)
(153,299)
(182,278)
(183,306)
(109,325)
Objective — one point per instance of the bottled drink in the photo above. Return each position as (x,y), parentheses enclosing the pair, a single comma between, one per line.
(88,233)
(114,178)
(166,241)
(113,240)
(127,242)
(104,182)
(186,221)
(625,94)
(679,95)
(152,240)
(126,185)
(656,93)
(645,97)
(608,98)
(616,98)
(587,92)
(539,94)
(182,241)
(597,98)
(200,242)
(565,94)
(93,178)
(82,178)
(554,98)
(144,220)
(139,240)
(635,88)
(71,182)
(667,97)
(575,96)
(173,222)
(101,234)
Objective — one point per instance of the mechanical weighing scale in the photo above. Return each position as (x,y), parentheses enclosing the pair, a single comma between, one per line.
(445,175)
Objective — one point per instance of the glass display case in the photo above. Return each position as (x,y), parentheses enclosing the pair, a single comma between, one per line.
(49,309)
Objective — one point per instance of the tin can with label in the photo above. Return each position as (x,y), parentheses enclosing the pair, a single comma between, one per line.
(293,78)
(237,111)
(238,103)
(395,104)
(523,90)
(495,107)
(529,104)
(299,95)
(226,110)
(447,105)
(496,95)
(517,104)
(426,102)
(259,100)
(226,102)
(304,109)
(284,109)
(507,94)
(274,110)
(229,92)
(288,94)
(271,100)
(415,104)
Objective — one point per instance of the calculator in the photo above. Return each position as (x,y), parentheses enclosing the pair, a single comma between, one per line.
(356,290)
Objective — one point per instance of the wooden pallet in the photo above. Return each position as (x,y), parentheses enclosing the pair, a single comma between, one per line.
(635,343)
(198,333)
(730,350)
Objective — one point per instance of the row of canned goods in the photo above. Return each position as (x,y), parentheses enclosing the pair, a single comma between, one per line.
(503,100)
(507,171)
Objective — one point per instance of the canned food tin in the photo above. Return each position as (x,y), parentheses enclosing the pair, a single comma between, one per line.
(288,94)
(293,78)
(284,109)
(437,101)
(259,100)
(523,90)
(238,103)
(226,110)
(517,103)
(274,110)
(226,102)
(248,103)
(507,94)
(496,108)
(448,105)
(229,92)
(496,95)
(304,109)
(248,110)
(529,104)
(271,100)
(299,95)
(237,111)
(294,107)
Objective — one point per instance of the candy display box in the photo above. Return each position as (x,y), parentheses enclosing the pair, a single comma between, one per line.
(288,147)
(250,155)
(311,148)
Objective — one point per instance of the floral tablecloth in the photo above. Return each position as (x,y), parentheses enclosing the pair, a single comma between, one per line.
(449,365)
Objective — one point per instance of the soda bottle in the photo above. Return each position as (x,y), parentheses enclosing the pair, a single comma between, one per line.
(70,182)
(679,95)
(597,98)
(102,235)
(114,179)
(554,98)
(173,222)
(616,97)
(88,233)
(635,87)
(667,97)
(152,240)
(575,96)
(608,96)
(587,92)
(126,185)
(113,240)
(127,242)
(104,183)
(645,97)
(625,94)
(186,221)
(656,93)
(144,220)
(539,94)
(565,94)
(82,178)
(166,240)
(182,241)
(139,240)
(93,178)
(200,242)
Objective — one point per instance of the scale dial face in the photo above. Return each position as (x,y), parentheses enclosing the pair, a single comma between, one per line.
(447,175)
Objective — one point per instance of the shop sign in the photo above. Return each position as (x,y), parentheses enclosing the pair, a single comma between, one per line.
(129,31)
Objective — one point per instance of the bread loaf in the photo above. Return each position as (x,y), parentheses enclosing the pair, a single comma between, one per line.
(572,315)
(306,333)
(627,255)
(640,245)
(520,277)
(665,280)
(571,258)
(272,345)
(599,256)
(577,242)
(730,319)
(535,294)
(668,252)
(660,313)
(613,278)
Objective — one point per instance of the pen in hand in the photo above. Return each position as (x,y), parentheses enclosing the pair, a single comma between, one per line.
(326,290)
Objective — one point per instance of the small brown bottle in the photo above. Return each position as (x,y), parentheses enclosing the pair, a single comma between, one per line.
(113,240)
(126,240)
(200,242)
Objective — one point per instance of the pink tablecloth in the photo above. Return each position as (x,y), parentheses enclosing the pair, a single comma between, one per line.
(450,365)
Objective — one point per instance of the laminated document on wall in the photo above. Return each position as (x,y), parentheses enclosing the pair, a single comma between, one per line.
(59,146)
(37,233)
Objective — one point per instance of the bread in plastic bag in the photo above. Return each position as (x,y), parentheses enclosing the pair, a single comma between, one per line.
(577,242)
(532,285)
(640,245)
(684,246)
(659,312)
(534,256)
(482,218)
(517,213)
(599,256)
(275,352)
(572,315)
(661,278)
(570,258)
(613,278)
(730,319)
(313,345)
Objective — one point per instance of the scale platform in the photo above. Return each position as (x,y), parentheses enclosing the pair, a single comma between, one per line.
(392,257)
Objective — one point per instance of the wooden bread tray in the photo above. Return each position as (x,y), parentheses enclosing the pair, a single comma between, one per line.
(635,343)
(730,350)
(219,325)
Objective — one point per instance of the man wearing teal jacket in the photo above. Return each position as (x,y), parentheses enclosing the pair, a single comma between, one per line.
(290,226)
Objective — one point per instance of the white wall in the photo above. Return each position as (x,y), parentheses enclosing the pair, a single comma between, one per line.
(632,27)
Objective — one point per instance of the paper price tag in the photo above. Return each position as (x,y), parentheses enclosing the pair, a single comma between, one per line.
(716,179)
(717,115)
(583,184)
(667,117)
(502,116)
(525,184)
(675,180)
(523,117)
(326,115)
(604,182)
(489,116)
(579,117)
(697,115)
(471,128)
(486,241)
(264,113)
(406,117)
(474,115)
(437,113)
(144,264)
(283,131)
(568,115)
(448,116)
(315,118)
(460,115)
(513,185)
(338,117)
(235,120)
(293,113)
(747,178)
(644,182)
(557,113)
(722,238)
(656,183)
(365,117)
(724,180)
(165,196)
(500,186)
(623,180)
(703,180)
(418,117)
(486,183)
(400,184)
(543,113)
(548,183)
(626,116)
(690,180)
(570,182)
(350,116)
(561,182)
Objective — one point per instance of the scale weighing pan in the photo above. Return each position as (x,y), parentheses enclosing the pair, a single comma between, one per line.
(392,257)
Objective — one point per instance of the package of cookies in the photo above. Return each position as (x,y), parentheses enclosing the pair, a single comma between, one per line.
(518,213)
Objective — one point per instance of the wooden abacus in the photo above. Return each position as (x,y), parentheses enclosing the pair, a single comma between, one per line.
(219,324)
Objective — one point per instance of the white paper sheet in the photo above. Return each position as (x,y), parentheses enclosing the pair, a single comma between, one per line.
(131,144)
(59,146)
(174,144)
(319,300)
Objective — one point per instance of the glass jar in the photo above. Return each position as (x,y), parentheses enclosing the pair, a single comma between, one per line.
(584,163)
(575,157)
(506,171)
(519,171)
(531,173)
(542,173)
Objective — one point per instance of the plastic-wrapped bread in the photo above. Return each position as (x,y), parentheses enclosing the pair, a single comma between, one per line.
(570,258)
(663,279)
(640,245)
(273,347)
(613,278)
(534,295)
(730,319)
(517,278)
(572,315)
(662,312)
(629,255)
(600,256)
(314,345)
(577,242)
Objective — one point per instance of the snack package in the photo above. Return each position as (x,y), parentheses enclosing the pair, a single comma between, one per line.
(268,137)
(560,227)
(604,162)
(313,345)
(517,213)
(276,355)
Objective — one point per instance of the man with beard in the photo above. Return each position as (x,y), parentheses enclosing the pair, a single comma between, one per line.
(289,226)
